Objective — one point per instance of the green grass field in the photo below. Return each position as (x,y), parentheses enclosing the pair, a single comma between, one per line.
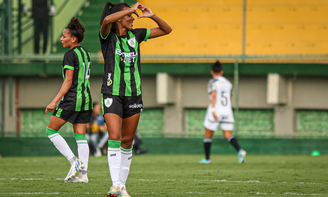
(172,175)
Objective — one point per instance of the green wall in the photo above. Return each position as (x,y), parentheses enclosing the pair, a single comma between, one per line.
(42,146)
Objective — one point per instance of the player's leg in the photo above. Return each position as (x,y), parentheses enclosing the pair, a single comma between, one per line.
(210,126)
(129,128)
(207,144)
(59,142)
(114,125)
(112,109)
(227,132)
(83,152)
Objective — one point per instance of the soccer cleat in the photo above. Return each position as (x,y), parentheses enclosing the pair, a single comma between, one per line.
(79,179)
(76,166)
(114,191)
(124,192)
(241,156)
(205,161)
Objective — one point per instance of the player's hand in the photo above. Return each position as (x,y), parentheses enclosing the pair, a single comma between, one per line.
(134,8)
(51,107)
(146,12)
(215,116)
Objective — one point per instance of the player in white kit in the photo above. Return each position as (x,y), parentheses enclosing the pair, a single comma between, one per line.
(219,113)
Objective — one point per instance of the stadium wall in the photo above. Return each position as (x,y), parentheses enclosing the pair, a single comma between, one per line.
(33,86)
(42,146)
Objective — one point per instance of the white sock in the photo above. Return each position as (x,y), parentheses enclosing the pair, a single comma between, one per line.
(82,149)
(125,165)
(114,161)
(60,143)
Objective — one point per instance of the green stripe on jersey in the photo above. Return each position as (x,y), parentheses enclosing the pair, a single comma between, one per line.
(68,67)
(147,35)
(102,104)
(85,80)
(136,70)
(117,70)
(127,76)
(79,83)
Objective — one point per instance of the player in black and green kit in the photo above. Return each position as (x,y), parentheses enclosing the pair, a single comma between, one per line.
(121,89)
(75,101)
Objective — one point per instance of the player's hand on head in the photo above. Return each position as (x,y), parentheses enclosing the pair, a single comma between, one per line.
(134,8)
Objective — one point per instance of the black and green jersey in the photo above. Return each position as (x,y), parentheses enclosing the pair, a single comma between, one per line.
(78,97)
(122,62)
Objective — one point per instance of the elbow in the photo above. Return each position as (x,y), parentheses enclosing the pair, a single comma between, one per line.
(169,30)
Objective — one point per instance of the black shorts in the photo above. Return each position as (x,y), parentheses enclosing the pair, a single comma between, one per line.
(73,116)
(124,106)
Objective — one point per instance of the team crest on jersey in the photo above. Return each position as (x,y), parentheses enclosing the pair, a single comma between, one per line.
(108,102)
(132,42)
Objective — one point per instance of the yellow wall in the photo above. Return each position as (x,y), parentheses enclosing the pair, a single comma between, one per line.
(214,27)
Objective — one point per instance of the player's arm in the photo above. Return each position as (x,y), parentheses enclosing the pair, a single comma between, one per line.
(213,102)
(162,29)
(110,19)
(63,90)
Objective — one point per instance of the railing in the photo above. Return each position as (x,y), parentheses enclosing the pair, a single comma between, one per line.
(23,23)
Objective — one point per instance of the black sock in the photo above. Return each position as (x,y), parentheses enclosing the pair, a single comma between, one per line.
(233,141)
(207,147)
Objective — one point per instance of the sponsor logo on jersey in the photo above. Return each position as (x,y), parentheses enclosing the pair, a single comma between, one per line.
(108,102)
(129,57)
(135,106)
(132,42)
(109,80)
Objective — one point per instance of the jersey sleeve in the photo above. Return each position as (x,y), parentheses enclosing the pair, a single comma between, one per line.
(69,60)
(101,36)
(211,86)
(141,34)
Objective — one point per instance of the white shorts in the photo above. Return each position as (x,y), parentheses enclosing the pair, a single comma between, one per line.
(225,121)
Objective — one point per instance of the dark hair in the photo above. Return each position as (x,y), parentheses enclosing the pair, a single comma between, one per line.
(217,67)
(109,9)
(76,29)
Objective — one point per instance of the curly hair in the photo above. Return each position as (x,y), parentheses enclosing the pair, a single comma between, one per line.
(76,29)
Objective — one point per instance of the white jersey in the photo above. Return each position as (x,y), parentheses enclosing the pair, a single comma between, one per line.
(223,89)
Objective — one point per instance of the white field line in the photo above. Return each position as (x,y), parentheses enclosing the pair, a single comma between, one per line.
(158,193)
(223,180)
(154,180)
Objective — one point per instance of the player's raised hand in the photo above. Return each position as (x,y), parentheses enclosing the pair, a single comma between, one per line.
(134,8)
(51,107)
(146,12)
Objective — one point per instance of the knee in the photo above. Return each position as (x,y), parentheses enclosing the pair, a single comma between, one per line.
(126,141)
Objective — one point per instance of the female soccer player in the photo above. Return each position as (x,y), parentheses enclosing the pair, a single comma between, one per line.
(76,102)
(121,89)
(219,113)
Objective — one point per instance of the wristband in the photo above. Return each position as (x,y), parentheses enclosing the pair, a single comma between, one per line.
(213,109)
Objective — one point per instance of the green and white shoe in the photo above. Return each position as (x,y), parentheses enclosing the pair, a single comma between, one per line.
(205,161)
(241,156)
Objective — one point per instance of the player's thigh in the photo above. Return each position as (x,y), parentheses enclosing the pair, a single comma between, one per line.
(56,123)
(129,127)
(114,126)
(208,133)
